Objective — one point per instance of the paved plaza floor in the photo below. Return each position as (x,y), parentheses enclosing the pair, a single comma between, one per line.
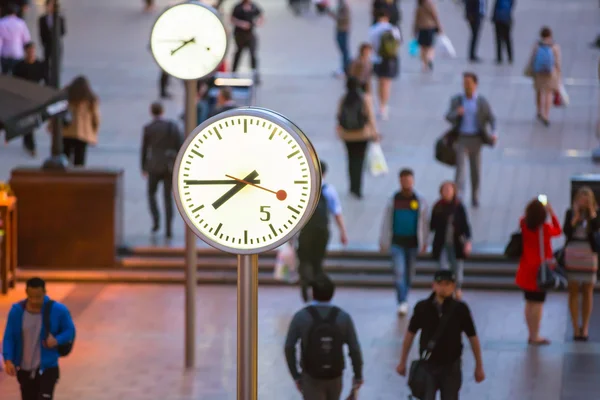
(130,346)
(108,42)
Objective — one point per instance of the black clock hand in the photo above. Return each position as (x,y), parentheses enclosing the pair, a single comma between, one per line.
(217,182)
(234,190)
(185,43)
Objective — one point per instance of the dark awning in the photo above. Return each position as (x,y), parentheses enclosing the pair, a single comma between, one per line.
(26,105)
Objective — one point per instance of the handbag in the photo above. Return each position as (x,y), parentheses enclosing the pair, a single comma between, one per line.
(444,149)
(550,274)
(514,248)
(376,160)
(418,376)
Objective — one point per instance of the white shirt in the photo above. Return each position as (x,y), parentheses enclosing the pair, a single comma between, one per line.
(375,32)
(14,34)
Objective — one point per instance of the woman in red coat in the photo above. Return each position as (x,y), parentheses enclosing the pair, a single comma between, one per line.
(532,224)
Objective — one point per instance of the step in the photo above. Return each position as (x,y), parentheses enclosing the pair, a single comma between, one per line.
(481,253)
(346,265)
(230,277)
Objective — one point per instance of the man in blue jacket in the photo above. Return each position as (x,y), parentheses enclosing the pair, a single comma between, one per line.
(31,352)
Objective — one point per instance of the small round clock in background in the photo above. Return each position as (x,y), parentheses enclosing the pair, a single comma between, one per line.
(189,40)
(246,180)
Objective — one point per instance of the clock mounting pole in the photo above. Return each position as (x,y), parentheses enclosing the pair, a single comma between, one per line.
(247,332)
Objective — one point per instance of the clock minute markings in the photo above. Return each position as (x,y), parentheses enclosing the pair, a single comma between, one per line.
(293,154)
(218,229)
(196,153)
(273,230)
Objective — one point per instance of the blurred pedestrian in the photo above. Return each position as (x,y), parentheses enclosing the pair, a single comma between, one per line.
(322,330)
(426,25)
(82,122)
(362,67)
(385,40)
(536,232)
(161,141)
(225,101)
(14,35)
(452,239)
(471,114)
(45,25)
(404,232)
(503,20)
(390,8)
(545,66)
(246,16)
(581,228)
(30,69)
(356,127)
(474,12)
(314,236)
(342,34)
(20,7)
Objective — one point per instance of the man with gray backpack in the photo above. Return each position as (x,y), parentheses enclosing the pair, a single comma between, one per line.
(385,40)
(322,330)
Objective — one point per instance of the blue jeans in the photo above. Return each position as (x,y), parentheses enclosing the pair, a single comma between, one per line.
(342,42)
(448,260)
(403,260)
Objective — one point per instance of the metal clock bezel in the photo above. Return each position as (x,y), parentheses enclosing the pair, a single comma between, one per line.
(314,169)
(210,9)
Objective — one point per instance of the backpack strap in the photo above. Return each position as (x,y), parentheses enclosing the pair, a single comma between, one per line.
(46,316)
(314,313)
(332,315)
(439,331)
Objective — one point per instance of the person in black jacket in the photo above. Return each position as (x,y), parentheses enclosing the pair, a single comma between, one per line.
(581,227)
(474,12)
(45,23)
(452,239)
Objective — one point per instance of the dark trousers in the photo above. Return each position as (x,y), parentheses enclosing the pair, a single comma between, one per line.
(245,40)
(356,161)
(503,38)
(447,379)
(29,142)
(312,246)
(163,83)
(7,65)
(153,181)
(75,150)
(40,386)
(341,38)
(475,24)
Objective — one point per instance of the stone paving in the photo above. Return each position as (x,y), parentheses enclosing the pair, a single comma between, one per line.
(130,345)
(107,41)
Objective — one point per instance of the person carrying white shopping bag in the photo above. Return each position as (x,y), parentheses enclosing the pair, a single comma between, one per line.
(446,46)
(285,263)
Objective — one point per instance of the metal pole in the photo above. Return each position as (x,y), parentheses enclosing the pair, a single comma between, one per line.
(191,261)
(247,328)
(57,160)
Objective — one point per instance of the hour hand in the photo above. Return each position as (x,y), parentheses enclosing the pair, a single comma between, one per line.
(217,182)
(234,190)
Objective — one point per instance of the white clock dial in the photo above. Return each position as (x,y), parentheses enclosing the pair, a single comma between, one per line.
(246,180)
(189,40)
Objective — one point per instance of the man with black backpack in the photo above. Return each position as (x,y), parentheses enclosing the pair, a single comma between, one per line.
(441,320)
(38,332)
(385,39)
(322,330)
(313,238)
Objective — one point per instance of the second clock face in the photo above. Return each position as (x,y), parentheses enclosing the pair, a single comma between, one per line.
(245,181)
(189,40)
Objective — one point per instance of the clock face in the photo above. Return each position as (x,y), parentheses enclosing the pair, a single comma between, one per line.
(189,40)
(246,180)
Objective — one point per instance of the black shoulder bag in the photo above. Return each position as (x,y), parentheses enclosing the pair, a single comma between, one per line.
(418,376)
(63,349)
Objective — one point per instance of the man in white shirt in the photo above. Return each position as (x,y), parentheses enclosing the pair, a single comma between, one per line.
(385,39)
(14,35)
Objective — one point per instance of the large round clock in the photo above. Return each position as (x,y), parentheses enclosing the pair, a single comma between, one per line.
(189,40)
(246,180)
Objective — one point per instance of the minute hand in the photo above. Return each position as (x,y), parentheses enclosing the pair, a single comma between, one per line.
(217,182)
